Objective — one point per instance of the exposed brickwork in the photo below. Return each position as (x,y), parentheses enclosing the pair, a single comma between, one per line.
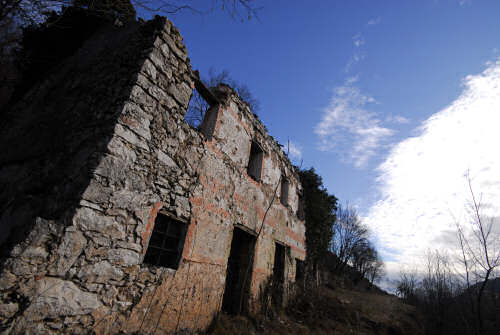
(103,149)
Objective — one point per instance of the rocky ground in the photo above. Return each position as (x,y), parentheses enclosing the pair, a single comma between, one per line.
(331,311)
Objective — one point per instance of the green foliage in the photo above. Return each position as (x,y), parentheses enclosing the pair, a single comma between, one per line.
(320,214)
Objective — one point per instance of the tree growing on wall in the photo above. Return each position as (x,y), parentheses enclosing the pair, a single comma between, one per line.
(16,14)
(36,35)
(30,15)
(320,215)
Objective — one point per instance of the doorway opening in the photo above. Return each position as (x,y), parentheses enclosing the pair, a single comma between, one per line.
(278,274)
(239,273)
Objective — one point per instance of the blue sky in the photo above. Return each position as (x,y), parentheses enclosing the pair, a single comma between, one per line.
(358,87)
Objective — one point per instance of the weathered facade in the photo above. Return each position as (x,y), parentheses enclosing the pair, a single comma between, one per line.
(117,216)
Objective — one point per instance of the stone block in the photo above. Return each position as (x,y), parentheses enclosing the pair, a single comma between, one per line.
(123,257)
(100,272)
(87,219)
(72,245)
(129,136)
(8,310)
(173,47)
(7,280)
(56,297)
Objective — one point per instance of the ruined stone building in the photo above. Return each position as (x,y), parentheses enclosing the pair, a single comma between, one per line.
(116,216)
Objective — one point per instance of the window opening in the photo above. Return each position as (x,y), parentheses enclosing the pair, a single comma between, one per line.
(239,265)
(202,107)
(196,110)
(300,210)
(284,191)
(166,242)
(255,161)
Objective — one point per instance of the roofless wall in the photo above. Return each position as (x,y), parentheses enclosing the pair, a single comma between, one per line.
(117,216)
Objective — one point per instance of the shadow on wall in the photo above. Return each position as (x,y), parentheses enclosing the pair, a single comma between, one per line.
(56,136)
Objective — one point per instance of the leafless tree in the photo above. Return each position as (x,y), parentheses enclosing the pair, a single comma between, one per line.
(363,256)
(16,14)
(238,9)
(349,234)
(480,251)
(406,286)
(376,271)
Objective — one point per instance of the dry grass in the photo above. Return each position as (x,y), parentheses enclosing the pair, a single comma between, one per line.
(327,311)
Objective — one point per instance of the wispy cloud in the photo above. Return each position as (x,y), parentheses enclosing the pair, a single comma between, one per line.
(358,41)
(348,128)
(398,119)
(376,20)
(295,150)
(421,183)
(355,58)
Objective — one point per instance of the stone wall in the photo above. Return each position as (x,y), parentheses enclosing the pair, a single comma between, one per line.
(91,157)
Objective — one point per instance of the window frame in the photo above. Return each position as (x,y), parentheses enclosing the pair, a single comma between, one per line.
(167,228)
(285,188)
(255,156)
(301,213)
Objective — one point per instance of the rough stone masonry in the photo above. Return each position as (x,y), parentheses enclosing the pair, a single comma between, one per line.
(116,216)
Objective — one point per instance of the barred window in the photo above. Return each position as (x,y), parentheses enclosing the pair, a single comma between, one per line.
(166,242)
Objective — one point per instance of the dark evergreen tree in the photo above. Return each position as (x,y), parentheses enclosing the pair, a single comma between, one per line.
(320,215)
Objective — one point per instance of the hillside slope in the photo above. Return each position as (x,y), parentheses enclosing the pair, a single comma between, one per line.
(338,311)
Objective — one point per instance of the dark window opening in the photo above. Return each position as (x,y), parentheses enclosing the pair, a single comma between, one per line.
(254,169)
(278,275)
(239,273)
(299,269)
(284,191)
(300,210)
(166,242)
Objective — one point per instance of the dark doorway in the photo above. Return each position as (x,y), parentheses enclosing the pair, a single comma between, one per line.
(278,275)
(299,270)
(239,273)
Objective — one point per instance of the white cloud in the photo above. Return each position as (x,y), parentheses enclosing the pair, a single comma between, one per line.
(375,21)
(399,119)
(348,128)
(295,150)
(422,182)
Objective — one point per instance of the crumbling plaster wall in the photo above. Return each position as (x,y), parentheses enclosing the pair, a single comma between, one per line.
(103,147)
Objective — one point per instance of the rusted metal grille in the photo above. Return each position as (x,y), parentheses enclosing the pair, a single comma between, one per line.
(166,242)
